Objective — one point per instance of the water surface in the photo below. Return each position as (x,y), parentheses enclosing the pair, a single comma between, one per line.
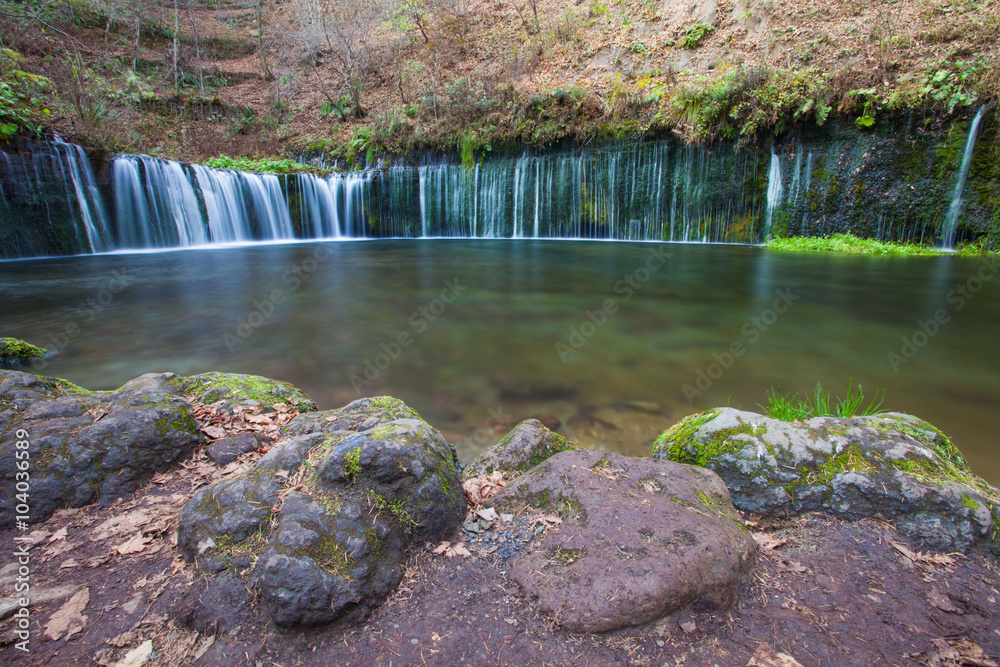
(615,340)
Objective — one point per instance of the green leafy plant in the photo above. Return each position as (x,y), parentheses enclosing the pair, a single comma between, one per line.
(339,108)
(21,105)
(694,35)
(272,166)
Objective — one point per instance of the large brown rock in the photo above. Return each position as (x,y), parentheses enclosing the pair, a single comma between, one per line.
(640,539)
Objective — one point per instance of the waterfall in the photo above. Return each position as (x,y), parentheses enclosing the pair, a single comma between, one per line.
(774,190)
(948,231)
(52,203)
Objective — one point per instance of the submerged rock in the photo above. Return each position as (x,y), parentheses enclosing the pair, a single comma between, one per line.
(86,447)
(639,539)
(328,516)
(523,448)
(893,466)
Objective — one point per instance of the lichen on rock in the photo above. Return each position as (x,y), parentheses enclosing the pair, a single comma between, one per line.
(85,446)
(893,466)
(338,505)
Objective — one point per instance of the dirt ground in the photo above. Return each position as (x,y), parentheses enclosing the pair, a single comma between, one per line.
(825,592)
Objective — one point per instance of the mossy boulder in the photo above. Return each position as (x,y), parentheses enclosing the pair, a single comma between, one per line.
(15,352)
(232,388)
(527,445)
(639,539)
(326,519)
(84,446)
(891,466)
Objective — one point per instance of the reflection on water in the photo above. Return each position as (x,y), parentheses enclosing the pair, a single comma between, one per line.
(608,339)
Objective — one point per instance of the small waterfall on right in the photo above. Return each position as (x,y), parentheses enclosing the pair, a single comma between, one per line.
(774,190)
(948,230)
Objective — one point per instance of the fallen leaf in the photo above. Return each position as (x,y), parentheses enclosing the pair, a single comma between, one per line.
(942,602)
(134,545)
(506,518)
(124,639)
(68,619)
(203,648)
(436,637)
(765,657)
(69,562)
(961,651)
(489,514)
(450,550)
(792,565)
(213,432)
(765,541)
(688,626)
(59,534)
(137,656)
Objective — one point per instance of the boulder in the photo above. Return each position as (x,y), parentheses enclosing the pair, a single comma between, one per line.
(639,539)
(327,517)
(246,390)
(891,466)
(15,352)
(227,450)
(86,447)
(527,445)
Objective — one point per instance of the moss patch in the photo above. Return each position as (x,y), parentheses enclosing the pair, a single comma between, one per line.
(213,387)
(16,351)
(679,444)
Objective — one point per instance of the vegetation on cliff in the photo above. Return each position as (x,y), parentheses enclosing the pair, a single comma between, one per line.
(357,79)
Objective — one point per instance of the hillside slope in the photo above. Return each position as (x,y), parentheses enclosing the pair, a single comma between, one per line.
(362,78)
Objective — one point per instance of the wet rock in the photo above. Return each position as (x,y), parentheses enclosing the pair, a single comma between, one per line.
(87,447)
(233,388)
(15,352)
(639,539)
(227,450)
(328,517)
(213,605)
(891,466)
(526,446)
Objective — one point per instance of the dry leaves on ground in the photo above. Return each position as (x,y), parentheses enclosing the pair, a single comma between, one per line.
(480,489)
(952,652)
(69,619)
(450,550)
(216,423)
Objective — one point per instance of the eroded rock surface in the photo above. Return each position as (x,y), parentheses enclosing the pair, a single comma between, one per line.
(893,466)
(326,518)
(84,446)
(639,539)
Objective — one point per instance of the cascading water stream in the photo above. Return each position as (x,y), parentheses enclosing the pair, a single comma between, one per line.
(661,191)
(775,190)
(948,231)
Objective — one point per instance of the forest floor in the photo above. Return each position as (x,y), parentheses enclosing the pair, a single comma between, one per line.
(479,73)
(824,592)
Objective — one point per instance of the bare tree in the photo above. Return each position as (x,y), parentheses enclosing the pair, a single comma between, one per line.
(341,33)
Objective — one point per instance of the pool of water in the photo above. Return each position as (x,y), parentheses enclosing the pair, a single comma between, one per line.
(614,341)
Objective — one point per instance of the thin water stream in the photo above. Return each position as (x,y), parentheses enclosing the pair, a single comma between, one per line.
(611,339)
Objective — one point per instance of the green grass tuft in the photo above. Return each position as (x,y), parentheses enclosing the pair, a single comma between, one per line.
(781,405)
